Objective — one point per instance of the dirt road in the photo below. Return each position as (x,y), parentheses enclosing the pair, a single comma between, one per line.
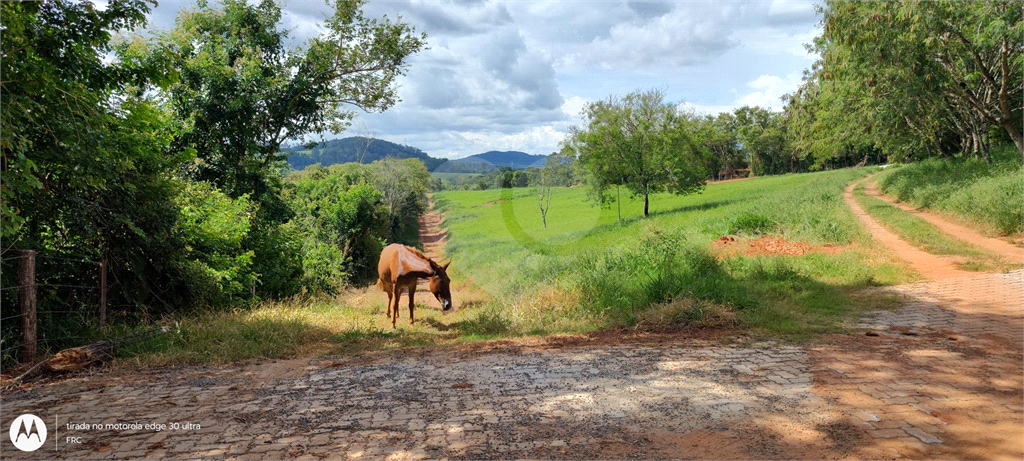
(940,377)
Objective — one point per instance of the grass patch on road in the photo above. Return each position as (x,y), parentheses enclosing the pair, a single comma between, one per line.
(925,236)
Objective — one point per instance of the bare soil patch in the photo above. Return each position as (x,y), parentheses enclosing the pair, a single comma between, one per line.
(732,246)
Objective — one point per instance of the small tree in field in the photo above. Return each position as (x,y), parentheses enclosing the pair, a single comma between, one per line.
(641,142)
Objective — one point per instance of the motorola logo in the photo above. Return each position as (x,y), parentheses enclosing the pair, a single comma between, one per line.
(28,432)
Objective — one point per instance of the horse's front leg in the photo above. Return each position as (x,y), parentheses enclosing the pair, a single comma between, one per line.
(412,290)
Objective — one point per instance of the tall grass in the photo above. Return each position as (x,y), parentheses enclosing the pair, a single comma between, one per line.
(975,191)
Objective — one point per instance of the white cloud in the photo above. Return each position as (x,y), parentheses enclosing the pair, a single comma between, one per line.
(769,89)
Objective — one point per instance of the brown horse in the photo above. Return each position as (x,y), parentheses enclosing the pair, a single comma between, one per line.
(399,268)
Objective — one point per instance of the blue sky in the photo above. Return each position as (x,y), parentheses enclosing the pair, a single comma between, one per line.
(513,75)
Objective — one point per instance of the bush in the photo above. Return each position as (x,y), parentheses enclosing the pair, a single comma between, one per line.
(752,223)
(660,269)
(213,227)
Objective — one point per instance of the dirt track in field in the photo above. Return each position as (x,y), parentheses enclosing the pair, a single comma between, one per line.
(941,377)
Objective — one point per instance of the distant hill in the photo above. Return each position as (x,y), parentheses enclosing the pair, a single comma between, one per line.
(514,159)
(355,149)
(487,161)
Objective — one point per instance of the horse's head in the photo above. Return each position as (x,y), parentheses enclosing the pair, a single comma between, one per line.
(439,285)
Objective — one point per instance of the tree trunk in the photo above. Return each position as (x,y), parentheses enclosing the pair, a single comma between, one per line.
(646,202)
(1014,133)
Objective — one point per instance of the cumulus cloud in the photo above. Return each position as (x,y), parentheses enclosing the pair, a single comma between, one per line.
(769,89)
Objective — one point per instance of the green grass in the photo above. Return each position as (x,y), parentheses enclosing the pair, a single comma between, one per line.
(590,270)
(354,322)
(971,190)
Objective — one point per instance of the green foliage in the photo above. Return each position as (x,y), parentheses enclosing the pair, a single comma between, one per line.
(764,140)
(641,142)
(241,92)
(160,155)
(912,79)
(213,227)
(978,192)
(86,171)
(344,219)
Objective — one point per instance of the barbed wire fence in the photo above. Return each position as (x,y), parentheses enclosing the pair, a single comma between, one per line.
(49,302)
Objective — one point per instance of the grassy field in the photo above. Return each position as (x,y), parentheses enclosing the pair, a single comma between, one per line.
(590,270)
(971,190)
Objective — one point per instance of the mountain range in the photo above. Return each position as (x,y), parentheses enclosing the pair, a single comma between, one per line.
(366,150)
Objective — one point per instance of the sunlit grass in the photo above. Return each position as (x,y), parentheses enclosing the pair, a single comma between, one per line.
(592,269)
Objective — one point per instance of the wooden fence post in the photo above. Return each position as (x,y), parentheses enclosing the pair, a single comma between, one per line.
(103,293)
(27,301)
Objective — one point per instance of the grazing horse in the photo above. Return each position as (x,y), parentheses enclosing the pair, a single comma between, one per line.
(399,268)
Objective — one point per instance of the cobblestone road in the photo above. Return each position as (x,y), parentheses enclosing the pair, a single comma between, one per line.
(939,378)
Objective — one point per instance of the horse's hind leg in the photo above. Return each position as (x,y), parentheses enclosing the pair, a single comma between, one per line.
(412,290)
(394,306)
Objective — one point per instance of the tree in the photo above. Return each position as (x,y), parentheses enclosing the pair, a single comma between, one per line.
(640,142)
(238,92)
(928,67)
(87,173)
(718,134)
(403,187)
(762,135)
(241,92)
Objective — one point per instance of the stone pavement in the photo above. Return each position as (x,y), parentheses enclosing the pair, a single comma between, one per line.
(942,376)
(938,378)
(545,403)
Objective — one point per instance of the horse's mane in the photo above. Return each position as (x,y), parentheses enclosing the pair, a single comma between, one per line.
(419,253)
(433,265)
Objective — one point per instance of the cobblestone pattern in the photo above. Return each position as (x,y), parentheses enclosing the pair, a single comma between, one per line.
(944,369)
(489,406)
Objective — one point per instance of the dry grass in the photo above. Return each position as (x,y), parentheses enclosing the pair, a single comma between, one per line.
(687,313)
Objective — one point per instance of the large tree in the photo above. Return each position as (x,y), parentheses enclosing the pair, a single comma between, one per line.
(923,67)
(239,89)
(641,142)
(242,90)
(85,169)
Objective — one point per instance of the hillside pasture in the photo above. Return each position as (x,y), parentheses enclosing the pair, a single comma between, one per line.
(590,269)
